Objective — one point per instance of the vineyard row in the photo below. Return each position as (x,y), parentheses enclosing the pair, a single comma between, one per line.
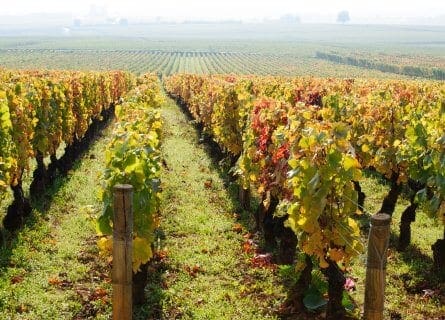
(302,145)
(43,111)
(396,67)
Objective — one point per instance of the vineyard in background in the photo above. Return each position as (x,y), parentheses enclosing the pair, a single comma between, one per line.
(422,67)
(283,50)
(265,49)
(172,62)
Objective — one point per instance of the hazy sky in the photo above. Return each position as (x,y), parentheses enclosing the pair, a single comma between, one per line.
(230,9)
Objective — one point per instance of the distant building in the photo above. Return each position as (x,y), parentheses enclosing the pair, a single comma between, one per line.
(343,16)
(123,22)
(290,18)
(77,23)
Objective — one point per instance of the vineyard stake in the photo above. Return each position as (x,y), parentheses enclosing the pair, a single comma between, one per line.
(244,198)
(122,252)
(376,266)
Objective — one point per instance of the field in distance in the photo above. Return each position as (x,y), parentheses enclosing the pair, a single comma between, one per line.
(262,49)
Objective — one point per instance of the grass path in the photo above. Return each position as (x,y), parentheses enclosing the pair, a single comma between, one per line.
(207,274)
(51,268)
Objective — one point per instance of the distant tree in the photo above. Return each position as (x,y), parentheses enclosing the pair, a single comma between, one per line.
(123,22)
(77,22)
(290,18)
(343,16)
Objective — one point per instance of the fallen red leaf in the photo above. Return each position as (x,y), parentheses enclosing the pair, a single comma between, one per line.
(54,281)
(249,246)
(99,293)
(238,228)
(263,261)
(208,183)
(161,254)
(192,271)
(16,279)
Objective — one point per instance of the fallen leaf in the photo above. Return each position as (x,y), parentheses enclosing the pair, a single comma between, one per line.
(263,261)
(428,293)
(16,279)
(208,183)
(193,271)
(161,254)
(21,308)
(84,294)
(99,292)
(249,246)
(54,281)
(238,228)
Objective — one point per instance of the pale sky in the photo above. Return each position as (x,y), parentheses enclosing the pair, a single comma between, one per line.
(230,9)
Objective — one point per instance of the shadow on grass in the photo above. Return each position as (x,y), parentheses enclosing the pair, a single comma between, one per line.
(419,279)
(421,275)
(40,209)
(42,203)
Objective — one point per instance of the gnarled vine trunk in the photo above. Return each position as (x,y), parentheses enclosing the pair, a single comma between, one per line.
(336,282)
(18,210)
(389,203)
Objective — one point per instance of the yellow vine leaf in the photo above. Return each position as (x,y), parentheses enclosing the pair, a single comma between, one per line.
(354,226)
(323,263)
(141,252)
(261,189)
(365,148)
(293,163)
(350,162)
(105,245)
(336,254)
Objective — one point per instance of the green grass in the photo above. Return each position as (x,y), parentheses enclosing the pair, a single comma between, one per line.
(198,222)
(409,272)
(50,269)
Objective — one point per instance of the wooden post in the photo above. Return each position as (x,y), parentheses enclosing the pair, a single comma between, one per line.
(122,252)
(244,198)
(376,266)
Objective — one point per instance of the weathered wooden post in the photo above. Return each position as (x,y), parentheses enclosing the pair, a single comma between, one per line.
(244,198)
(376,266)
(122,252)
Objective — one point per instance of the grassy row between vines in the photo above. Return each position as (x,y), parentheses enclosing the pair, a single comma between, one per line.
(50,269)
